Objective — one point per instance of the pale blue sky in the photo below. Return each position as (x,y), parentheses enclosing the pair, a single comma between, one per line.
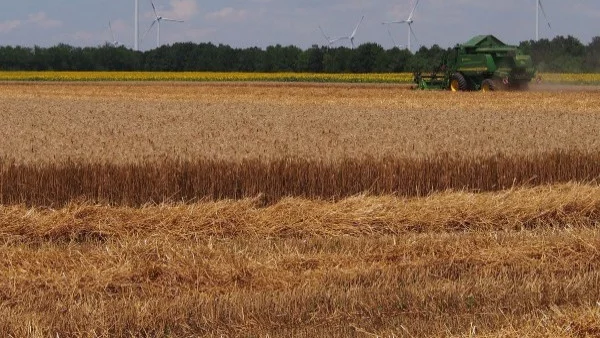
(244,23)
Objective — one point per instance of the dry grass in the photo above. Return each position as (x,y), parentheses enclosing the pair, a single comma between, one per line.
(130,122)
(523,262)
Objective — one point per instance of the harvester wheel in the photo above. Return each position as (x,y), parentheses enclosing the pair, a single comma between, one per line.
(458,82)
(488,85)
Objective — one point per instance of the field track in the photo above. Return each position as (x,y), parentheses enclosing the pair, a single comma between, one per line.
(305,210)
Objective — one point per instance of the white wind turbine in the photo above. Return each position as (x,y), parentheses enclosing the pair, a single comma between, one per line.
(538,7)
(351,37)
(409,21)
(114,42)
(330,40)
(157,22)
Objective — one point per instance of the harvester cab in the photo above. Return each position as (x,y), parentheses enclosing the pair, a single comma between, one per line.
(483,63)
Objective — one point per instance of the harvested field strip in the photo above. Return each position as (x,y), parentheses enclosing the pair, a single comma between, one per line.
(172,181)
(525,262)
(132,122)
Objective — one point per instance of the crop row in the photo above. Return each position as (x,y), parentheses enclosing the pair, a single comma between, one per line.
(236,76)
(171,180)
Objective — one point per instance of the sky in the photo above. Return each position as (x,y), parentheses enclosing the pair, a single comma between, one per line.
(249,23)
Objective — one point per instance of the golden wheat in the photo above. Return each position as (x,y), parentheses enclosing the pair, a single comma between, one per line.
(147,143)
(76,261)
(171,180)
(118,123)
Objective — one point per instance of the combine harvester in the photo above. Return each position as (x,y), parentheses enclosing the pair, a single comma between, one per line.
(483,63)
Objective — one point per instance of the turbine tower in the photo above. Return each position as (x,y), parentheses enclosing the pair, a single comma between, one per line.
(136,24)
(157,21)
(538,7)
(409,21)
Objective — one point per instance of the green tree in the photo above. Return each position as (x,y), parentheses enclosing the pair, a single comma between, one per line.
(281,59)
(364,58)
(561,54)
(591,62)
(337,60)
(399,60)
(316,56)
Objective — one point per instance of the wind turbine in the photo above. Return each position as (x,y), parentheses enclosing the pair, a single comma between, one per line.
(114,42)
(157,22)
(538,7)
(330,40)
(409,21)
(351,37)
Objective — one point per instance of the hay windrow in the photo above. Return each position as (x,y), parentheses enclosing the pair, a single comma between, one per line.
(541,208)
(523,257)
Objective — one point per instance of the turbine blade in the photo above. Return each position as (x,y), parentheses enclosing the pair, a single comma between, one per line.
(322,32)
(413,34)
(173,20)
(325,35)
(413,11)
(149,28)
(356,29)
(392,22)
(544,13)
(391,37)
(154,9)
(111,31)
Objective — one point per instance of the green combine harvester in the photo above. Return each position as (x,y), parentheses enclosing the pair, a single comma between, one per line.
(483,63)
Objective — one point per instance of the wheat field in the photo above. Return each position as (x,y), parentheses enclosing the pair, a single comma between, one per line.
(298,210)
(138,121)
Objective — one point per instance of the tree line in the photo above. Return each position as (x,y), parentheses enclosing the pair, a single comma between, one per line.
(561,54)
